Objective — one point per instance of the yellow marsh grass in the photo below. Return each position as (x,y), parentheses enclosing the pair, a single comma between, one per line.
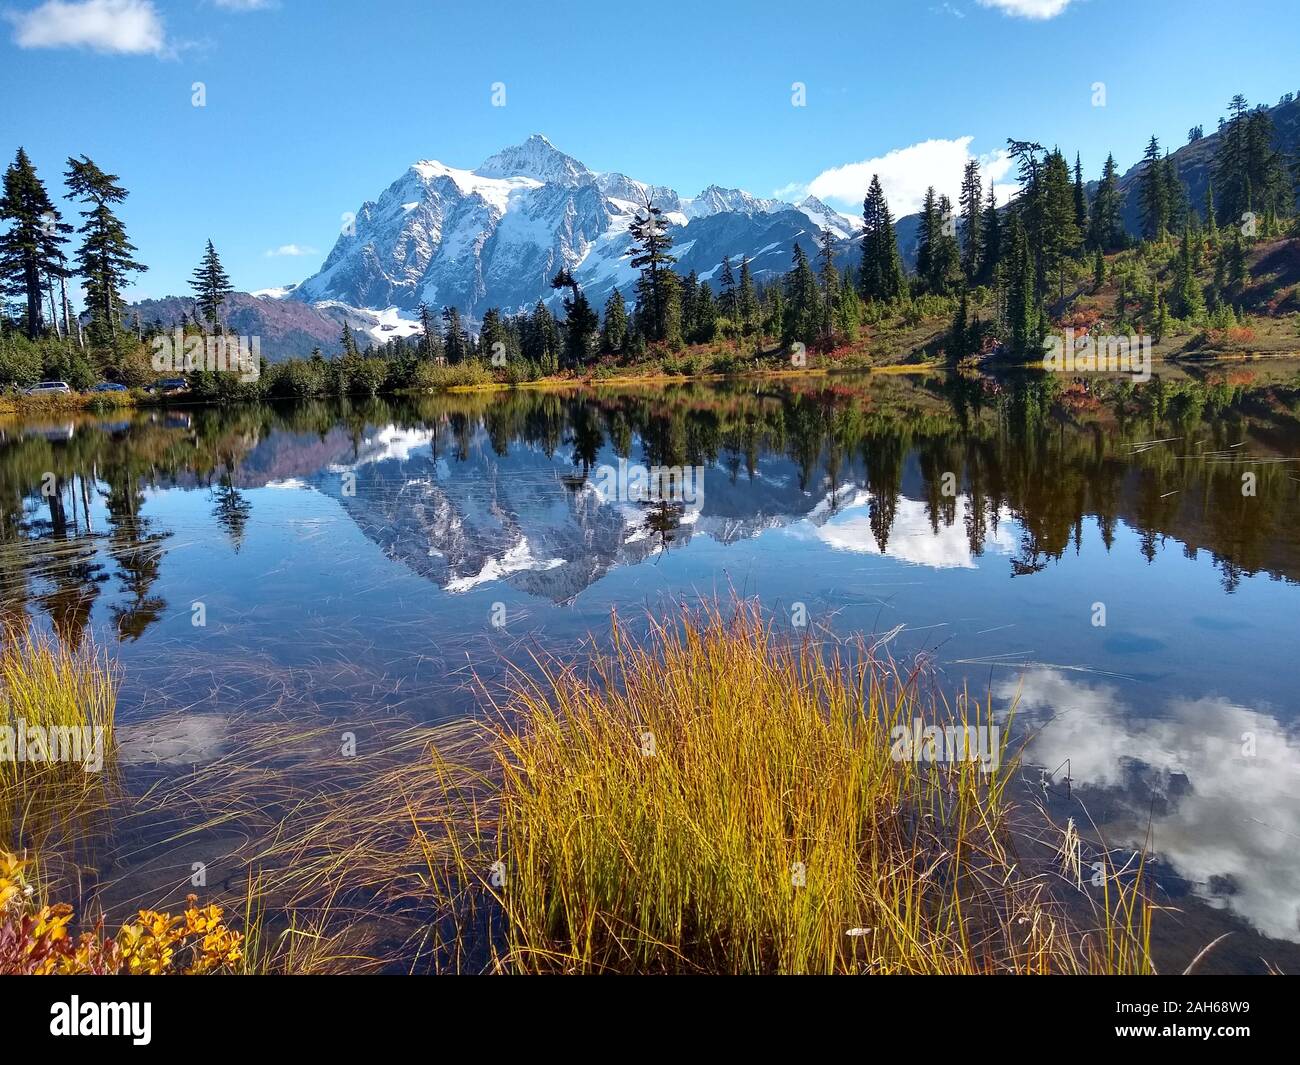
(717,800)
(47,686)
(770,830)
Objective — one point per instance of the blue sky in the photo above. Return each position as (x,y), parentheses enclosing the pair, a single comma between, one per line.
(313,106)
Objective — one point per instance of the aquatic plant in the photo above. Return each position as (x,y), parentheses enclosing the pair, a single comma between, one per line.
(57,707)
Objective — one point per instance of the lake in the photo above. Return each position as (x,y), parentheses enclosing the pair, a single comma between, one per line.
(1122,567)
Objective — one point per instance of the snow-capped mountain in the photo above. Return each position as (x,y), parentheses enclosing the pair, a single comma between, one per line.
(494,236)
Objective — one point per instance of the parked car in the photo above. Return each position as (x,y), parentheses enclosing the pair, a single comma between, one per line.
(109,386)
(48,388)
(169,386)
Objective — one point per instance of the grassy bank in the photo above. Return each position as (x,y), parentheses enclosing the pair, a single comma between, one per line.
(13,403)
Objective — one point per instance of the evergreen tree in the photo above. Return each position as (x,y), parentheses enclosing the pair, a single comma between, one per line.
(430,339)
(830,284)
(1080,197)
(30,252)
(927,237)
(946,267)
(348,342)
(727,298)
(1107,228)
(105,257)
(614,333)
(581,326)
(803,310)
(706,314)
(1021,301)
(1059,234)
(972,206)
(747,299)
(493,333)
(992,241)
(690,287)
(1154,193)
(1211,224)
(211,286)
(1160,317)
(455,339)
(881,276)
(650,254)
(1187,300)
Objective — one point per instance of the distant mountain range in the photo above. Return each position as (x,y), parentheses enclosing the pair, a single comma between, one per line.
(494,236)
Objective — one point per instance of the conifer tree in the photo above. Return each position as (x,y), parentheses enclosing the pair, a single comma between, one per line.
(1211,224)
(30,251)
(348,342)
(1107,229)
(992,241)
(650,254)
(105,257)
(581,326)
(430,346)
(1080,197)
(972,206)
(455,339)
(1187,300)
(727,298)
(881,276)
(747,299)
(829,278)
(614,332)
(803,309)
(1154,193)
(211,286)
(706,314)
(1059,235)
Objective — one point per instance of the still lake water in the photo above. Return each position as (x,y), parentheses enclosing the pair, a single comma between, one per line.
(350,559)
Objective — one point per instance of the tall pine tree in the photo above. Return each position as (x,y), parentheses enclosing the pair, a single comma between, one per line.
(30,251)
(106,256)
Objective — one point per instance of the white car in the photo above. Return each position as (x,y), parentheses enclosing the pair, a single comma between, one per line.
(46,388)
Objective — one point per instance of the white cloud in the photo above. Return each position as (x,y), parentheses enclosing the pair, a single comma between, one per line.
(905,174)
(1180,771)
(290,249)
(1034,9)
(124,27)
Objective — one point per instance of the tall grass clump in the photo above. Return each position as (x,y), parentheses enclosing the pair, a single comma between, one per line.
(714,799)
(57,707)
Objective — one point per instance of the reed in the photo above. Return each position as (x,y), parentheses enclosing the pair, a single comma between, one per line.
(715,799)
(57,707)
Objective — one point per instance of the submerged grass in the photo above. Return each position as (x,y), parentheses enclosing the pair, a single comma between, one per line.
(717,800)
(57,708)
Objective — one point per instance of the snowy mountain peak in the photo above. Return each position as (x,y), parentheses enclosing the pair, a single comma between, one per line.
(828,218)
(536,158)
(496,235)
(715,199)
